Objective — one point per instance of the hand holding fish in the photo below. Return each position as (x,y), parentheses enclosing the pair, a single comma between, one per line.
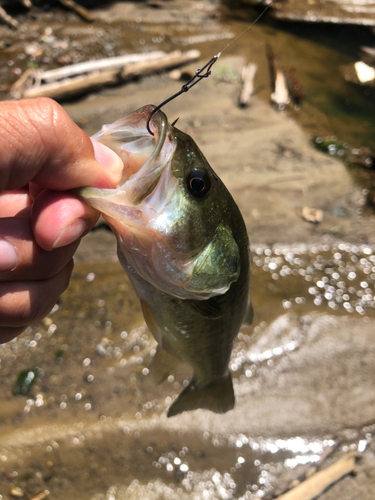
(43,153)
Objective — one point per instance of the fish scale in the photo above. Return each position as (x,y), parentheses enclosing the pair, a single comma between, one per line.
(183,243)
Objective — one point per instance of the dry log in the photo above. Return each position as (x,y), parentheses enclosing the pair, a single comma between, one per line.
(316,484)
(81,11)
(80,84)
(248,74)
(9,20)
(97,65)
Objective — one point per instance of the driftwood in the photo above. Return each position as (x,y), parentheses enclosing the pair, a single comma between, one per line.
(327,452)
(80,84)
(96,65)
(247,90)
(316,484)
(279,88)
(168,61)
(81,11)
(9,20)
(280,96)
(72,86)
(41,496)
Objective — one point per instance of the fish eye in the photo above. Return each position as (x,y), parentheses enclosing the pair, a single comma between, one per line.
(198,183)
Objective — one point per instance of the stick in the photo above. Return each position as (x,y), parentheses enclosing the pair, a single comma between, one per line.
(97,65)
(9,20)
(18,88)
(41,496)
(79,84)
(72,86)
(81,11)
(327,452)
(248,74)
(316,484)
(173,59)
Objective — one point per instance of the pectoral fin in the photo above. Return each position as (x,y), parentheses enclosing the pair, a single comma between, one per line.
(217,396)
(217,266)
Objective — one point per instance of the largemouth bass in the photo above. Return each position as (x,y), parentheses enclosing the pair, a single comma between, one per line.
(183,243)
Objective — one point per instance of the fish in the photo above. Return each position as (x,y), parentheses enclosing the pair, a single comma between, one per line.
(184,246)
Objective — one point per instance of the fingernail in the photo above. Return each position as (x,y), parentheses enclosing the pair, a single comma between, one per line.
(8,256)
(108,159)
(70,233)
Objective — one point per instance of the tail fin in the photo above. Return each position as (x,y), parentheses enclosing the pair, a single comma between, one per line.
(217,396)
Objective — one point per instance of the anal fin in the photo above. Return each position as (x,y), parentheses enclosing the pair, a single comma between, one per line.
(249,314)
(217,396)
(163,364)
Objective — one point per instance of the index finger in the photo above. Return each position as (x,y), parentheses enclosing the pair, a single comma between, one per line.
(39,143)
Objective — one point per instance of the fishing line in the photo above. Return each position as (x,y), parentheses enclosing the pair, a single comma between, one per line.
(199,75)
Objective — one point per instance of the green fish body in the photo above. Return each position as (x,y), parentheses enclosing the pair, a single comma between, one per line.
(183,243)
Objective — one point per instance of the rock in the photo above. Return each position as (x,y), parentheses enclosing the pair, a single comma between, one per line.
(314,215)
(16,492)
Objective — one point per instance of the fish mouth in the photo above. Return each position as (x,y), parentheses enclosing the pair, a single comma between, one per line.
(145,157)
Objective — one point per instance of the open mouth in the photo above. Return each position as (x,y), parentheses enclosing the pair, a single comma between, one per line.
(144,156)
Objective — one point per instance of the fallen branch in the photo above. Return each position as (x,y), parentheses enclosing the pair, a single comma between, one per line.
(248,74)
(41,496)
(9,20)
(319,482)
(327,452)
(81,11)
(72,86)
(169,60)
(53,75)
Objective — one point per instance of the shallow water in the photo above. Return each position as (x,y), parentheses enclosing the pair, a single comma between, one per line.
(314,52)
(94,425)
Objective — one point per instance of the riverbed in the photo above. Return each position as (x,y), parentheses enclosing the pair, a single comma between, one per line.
(91,423)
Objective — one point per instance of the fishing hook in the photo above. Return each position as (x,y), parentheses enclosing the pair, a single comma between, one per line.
(187,86)
(198,74)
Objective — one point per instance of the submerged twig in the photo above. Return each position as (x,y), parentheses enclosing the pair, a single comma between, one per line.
(327,452)
(316,484)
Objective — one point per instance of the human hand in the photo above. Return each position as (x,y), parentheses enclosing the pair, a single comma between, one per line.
(43,153)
